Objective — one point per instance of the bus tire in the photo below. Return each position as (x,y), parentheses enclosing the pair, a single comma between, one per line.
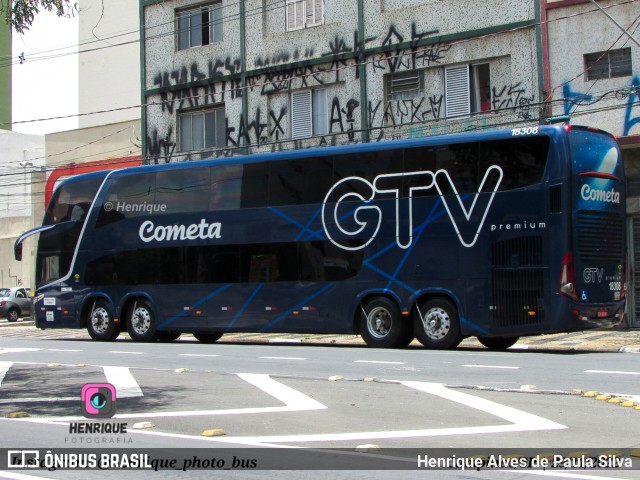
(498,343)
(437,325)
(382,326)
(211,337)
(167,337)
(141,323)
(101,325)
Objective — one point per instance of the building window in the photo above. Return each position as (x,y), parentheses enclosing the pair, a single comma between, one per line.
(310,113)
(467,89)
(609,64)
(199,26)
(201,130)
(304,13)
(406,85)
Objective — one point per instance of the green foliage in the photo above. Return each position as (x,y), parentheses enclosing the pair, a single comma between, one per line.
(20,14)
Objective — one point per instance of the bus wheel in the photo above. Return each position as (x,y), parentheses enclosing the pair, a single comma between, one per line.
(166,337)
(498,343)
(100,323)
(381,325)
(437,325)
(208,337)
(141,324)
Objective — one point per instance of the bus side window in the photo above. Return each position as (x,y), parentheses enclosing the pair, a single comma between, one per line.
(226,187)
(125,197)
(179,191)
(460,160)
(420,159)
(254,186)
(286,183)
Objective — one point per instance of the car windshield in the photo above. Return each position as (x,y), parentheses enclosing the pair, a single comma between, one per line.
(4,292)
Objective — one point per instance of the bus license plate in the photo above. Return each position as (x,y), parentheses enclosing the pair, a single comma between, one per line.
(602,313)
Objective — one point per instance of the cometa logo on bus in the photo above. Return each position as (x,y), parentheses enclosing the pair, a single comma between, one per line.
(596,195)
(361,224)
(149,232)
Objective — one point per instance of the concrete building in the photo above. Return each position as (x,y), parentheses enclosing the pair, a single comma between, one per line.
(21,182)
(269,75)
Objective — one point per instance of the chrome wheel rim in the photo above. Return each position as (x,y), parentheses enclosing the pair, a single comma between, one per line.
(141,320)
(437,323)
(100,320)
(379,322)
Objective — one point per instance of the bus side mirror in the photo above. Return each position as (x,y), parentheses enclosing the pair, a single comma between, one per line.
(17,251)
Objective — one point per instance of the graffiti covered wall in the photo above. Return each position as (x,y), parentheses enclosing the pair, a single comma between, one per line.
(611,104)
(351,66)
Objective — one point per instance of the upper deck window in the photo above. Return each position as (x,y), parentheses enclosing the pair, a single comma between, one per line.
(71,201)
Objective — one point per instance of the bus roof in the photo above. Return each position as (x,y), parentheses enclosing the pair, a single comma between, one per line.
(551,130)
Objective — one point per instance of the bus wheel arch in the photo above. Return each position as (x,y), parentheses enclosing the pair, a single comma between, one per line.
(381,324)
(140,319)
(98,317)
(437,322)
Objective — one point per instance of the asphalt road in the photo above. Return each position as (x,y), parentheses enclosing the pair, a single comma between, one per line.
(319,397)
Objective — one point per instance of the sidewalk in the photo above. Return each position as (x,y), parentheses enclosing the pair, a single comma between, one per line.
(590,341)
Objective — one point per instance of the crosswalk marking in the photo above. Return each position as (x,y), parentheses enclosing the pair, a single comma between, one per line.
(121,378)
(4,368)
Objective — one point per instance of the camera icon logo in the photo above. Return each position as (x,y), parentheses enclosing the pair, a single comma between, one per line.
(98,400)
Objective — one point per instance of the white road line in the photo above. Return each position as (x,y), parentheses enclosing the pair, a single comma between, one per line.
(121,378)
(21,476)
(294,401)
(4,368)
(281,358)
(197,355)
(520,421)
(380,362)
(612,372)
(10,401)
(122,351)
(19,350)
(491,366)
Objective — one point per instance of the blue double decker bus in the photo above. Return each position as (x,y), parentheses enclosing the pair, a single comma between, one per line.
(496,235)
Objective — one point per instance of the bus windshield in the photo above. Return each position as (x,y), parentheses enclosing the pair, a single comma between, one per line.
(67,211)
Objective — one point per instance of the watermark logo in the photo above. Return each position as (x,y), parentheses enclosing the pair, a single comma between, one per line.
(126,207)
(23,458)
(98,400)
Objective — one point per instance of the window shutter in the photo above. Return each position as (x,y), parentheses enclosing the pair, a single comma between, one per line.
(456,81)
(301,120)
(319,8)
(314,12)
(405,85)
(295,14)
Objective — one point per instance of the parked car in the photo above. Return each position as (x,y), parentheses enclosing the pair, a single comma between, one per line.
(15,303)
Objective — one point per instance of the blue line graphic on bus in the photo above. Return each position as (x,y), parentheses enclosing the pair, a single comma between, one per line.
(368,218)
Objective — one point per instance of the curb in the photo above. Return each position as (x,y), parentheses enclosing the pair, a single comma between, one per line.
(627,341)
